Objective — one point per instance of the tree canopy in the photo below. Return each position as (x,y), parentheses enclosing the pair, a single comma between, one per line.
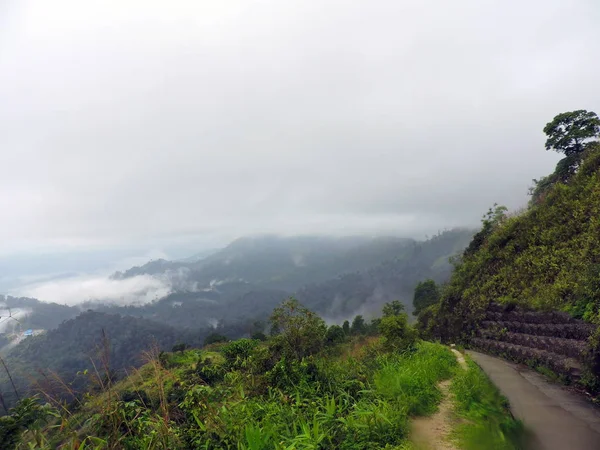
(301,331)
(569,132)
(426,294)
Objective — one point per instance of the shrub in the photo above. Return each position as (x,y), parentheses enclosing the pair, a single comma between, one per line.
(301,332)
(397,334)
(335,335)
(236,353)
(215,338)
(140,396)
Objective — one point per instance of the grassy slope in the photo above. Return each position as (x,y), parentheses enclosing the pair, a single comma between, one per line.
(355,396)
(486,421)
(546,258)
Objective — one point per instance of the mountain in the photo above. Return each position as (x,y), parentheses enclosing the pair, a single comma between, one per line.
(78,345)
(32,313)
(376,270)
(333,276)
(366,291)
(277,262)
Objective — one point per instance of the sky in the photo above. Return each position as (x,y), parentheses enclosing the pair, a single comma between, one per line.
(145,127)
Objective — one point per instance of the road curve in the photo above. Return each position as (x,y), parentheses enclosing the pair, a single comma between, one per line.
(557,418)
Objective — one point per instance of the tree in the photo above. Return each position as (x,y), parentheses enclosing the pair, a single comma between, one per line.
(569,132)
(301,331)
(397,333)
(335,335)
(358,325)
(346,327)
(495,216)
(215,338)
(393,309)
(426,294)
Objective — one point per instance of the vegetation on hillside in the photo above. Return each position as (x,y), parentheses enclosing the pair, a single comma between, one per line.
(299,389)
(74,347)
(546,257)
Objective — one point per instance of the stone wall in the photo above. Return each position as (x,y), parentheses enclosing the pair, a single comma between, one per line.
(550,339)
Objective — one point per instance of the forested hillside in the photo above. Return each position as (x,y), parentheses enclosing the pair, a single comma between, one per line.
(277,262)
(395,279)
(81,342)
(230,309)
(35,313)
(390,268)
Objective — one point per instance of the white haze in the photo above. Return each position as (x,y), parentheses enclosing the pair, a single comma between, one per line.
(129,121)
(71,291)
(10,319)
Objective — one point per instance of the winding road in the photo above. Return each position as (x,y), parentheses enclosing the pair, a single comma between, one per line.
(557,418)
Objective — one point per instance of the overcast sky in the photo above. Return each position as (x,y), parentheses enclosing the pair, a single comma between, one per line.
(148,123)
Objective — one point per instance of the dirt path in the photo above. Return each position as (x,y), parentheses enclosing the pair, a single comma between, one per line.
(460,358)
(558,419)
(433,432)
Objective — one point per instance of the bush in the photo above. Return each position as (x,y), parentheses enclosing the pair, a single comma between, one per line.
(301,332)
(209,372)
(335,335)
(397,334)
(139,396)
(238,352)
(215,338)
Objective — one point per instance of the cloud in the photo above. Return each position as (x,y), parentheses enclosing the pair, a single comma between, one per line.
(71,291)
(10,319)
(137,122)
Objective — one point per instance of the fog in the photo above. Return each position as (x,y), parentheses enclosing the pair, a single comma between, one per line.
(127,122)
(71,291)
(177,126)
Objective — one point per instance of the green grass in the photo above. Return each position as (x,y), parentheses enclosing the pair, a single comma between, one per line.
(362,399)
(412,378)
(487,422)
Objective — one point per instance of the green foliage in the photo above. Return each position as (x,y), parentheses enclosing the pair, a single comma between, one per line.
(215,338)
(346,327)
(27,413)
(236,399)
(335,335)
(393,308)
(427,326)
(259,336)
(179,347)
(490,220)
(397,334)
(411,378)
(238,352)
(358,325)
(569,132)
(426,294)
(488,423)
(546,258)
(301,332)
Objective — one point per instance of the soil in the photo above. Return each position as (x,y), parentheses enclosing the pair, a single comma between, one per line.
(433,432)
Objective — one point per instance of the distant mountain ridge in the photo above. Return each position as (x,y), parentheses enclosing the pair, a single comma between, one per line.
(232,292)
(280,262)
